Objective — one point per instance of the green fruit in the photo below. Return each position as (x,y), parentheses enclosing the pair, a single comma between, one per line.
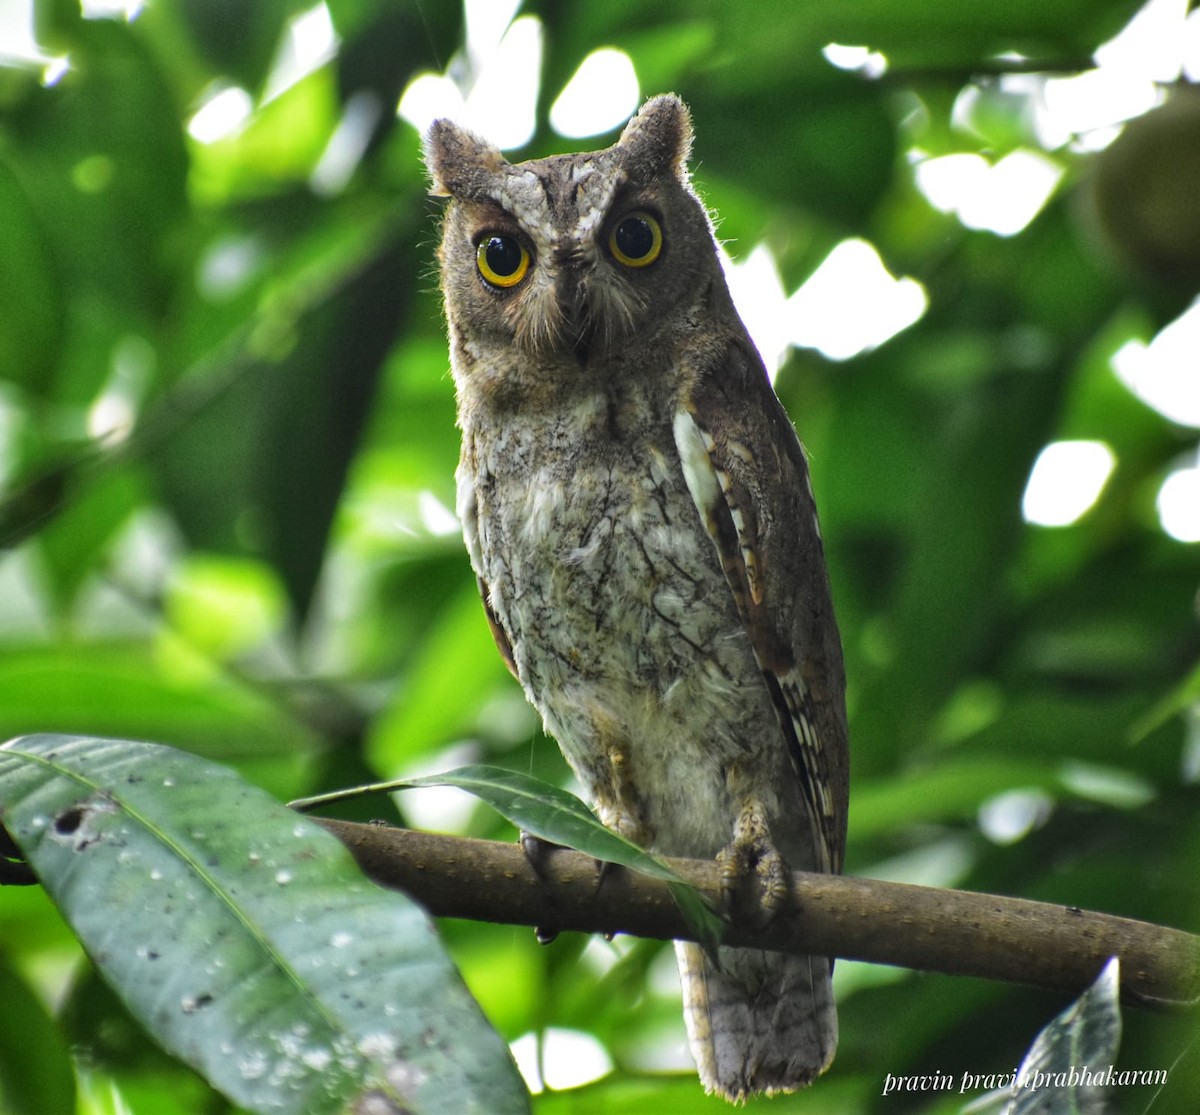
(1146,190)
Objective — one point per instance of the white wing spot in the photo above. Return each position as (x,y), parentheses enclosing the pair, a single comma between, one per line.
(698,471)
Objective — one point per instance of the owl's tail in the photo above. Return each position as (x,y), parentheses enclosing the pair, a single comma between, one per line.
(762,1022)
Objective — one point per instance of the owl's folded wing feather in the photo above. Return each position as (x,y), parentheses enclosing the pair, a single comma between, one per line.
(468,517)
(746,472)
(502,643)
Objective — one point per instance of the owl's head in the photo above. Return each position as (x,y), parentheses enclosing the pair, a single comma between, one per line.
(572,255)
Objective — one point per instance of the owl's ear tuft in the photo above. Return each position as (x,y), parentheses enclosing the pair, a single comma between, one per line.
(460,163)
(658,139)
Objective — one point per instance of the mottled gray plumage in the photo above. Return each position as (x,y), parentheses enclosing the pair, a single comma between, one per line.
(637,509)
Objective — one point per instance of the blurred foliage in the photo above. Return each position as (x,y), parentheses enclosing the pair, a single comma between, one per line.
(227,449)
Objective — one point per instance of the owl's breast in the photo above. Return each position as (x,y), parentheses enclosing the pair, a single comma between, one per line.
(596,556)
(623,629)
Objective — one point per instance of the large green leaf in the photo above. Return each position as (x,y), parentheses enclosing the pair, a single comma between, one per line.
(111,1052)
(244,938)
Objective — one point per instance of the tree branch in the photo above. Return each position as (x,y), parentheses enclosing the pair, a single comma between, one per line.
(1060,948)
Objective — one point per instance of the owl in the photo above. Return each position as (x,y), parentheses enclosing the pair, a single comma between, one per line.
(638,513)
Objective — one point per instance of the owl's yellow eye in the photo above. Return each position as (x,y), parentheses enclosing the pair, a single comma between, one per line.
(637,240)
(502,260)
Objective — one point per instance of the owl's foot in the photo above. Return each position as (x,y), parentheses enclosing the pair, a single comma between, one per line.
(755,879)
(536,850)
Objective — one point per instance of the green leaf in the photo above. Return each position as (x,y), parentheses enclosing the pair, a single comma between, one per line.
(109,1046)
(163,692)
(289,420)
(237,38)
(552,814)
(90,153)
(33,502)
(949,790)
(437,704)
(1084,1038)
(845,118)
(1182,697)
(29,291)
(244,938)
(74,541)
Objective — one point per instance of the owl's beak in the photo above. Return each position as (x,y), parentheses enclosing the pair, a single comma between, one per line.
(577,324)
(580,337)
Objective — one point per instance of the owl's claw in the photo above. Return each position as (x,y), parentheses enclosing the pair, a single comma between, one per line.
(604,870)
(535,849)
(752,863)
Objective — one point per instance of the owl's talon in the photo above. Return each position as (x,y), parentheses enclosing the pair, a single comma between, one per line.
(775,879)
(755,879)
(536,849)
(605,869)
(733,867)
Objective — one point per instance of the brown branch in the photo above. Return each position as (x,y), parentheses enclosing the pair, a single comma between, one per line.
(1061,948)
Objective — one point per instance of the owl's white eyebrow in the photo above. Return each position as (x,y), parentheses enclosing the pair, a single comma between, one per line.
(519,191)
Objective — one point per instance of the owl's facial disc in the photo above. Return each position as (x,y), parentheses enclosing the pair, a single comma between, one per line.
(584,286)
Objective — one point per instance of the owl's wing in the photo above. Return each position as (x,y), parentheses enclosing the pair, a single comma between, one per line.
(747,474)
(502,643)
